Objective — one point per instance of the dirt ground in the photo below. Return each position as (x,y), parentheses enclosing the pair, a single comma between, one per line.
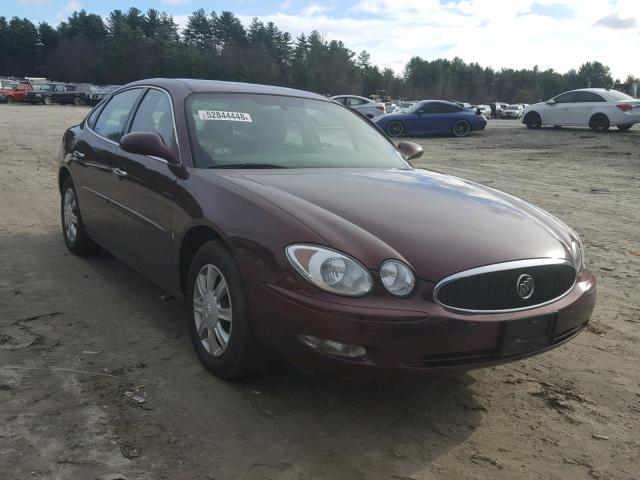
(75,334)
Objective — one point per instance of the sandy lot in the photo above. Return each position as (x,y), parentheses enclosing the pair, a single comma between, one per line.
(75,334)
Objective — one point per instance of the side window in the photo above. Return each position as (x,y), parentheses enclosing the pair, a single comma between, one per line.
(113,117)
(589,97)
(353,101)
(437,107)
(341,100)
(568,97)
(444,108)
(91,121)
(428,108)
(154,115)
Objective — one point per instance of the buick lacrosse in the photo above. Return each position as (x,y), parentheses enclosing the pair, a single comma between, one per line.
(288,223)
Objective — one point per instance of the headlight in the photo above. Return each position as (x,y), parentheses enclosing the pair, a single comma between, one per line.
(329,270)
(577,253)
(397,278)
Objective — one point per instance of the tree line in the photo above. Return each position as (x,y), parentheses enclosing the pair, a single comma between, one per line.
(131,45)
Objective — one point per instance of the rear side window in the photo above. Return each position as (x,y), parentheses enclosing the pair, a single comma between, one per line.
(91,121)
(589,97)
(114,115)
(353,101)
(154,115)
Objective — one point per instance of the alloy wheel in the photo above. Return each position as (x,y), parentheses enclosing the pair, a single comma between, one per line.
(70,215)
(395,129)
(461,128)
(212,310)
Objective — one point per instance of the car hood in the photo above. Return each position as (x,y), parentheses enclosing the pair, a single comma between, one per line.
(437,223)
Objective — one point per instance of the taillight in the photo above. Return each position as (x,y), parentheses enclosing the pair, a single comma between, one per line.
(380,107)
(625,107)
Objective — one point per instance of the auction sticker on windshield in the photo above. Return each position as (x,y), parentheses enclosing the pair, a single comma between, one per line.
(229,116)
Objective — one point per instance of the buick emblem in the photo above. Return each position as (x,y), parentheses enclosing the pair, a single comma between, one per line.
(524,286)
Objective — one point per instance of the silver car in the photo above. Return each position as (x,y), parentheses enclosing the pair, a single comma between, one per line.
(365,106)
(513,111)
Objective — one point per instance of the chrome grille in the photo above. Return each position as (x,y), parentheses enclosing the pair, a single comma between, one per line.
(494,288)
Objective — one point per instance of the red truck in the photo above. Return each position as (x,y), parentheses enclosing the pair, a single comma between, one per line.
(16,93)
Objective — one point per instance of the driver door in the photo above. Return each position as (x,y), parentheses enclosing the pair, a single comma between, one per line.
(559,113)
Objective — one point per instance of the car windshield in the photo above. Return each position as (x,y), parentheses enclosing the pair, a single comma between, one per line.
(616,95)
(273,131)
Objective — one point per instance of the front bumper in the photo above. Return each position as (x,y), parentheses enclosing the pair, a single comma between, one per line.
(407,341)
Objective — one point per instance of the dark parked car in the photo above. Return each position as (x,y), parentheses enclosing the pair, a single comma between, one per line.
(42,93)
(289,223)
(98,93)
(72,94)
(432,117)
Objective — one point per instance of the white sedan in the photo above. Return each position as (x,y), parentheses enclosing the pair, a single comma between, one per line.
(596,108)
(513,111)
(365,106)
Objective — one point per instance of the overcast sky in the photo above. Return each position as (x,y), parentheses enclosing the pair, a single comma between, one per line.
(558,34)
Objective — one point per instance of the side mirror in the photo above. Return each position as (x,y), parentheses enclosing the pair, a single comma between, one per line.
(410,150)
(147,143)
(550,102)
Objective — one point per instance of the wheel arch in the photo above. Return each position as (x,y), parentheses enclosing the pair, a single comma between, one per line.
(196,236)
(63,174)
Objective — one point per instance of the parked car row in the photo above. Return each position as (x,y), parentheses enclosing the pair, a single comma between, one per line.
(38,91)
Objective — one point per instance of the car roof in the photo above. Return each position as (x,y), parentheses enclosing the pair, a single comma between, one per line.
(354,96)
(218,86)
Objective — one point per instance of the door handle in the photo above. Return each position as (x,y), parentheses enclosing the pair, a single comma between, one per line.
(119,172)
(77,154)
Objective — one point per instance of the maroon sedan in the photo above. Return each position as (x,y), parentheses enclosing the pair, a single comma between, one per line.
(288,223)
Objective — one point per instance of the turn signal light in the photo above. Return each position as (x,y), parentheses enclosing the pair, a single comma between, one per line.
(332,347)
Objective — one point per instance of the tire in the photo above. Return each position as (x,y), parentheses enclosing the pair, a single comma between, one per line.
(9,100)
(216,307)
(75,236)
(625,127)
(532,120)
(395,129)
(461,128)
(77,101)
(46,100)
(599,123)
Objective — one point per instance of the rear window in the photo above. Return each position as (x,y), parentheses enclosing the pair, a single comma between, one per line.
(617,96)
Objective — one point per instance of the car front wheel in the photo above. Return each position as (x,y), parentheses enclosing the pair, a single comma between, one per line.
(217,312)
(395,129)
(75,236)
(599,123)
(9,99)
(77,101)
(532,120)
(46,101)
(461,128)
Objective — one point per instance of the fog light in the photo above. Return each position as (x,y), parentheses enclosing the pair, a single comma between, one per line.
(332,347)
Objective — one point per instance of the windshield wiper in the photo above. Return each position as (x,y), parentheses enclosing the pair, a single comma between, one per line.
(247,165)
